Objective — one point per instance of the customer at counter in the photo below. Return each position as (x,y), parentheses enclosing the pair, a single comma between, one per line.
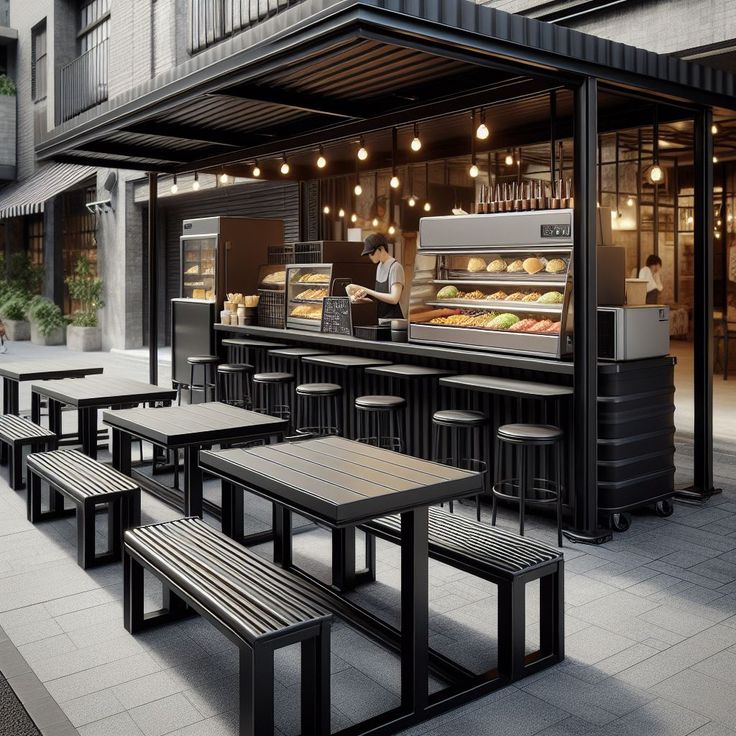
(390,279)
(652,273)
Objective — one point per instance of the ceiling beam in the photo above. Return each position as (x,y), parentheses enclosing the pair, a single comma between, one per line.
(147,151)
(114,163)
(189,133)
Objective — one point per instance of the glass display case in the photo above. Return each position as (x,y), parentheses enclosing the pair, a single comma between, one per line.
(306,286)
(495,282)
(198,265)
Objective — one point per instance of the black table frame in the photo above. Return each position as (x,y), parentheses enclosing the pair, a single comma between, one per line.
(411,641)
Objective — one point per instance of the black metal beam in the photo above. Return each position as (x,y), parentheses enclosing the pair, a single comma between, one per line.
(114,163)
(190,133)
(585,347)
(152,278)
(297,101)
(702,488)
(144,150)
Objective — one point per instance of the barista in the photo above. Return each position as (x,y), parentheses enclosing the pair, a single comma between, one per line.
(389,279)
(652,274)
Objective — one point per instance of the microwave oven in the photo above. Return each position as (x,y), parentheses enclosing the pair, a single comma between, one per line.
(633,333)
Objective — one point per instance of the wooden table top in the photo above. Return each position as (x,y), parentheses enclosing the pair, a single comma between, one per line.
(101,391)
(193,424)
(39,370)
(507,386)
(339,481)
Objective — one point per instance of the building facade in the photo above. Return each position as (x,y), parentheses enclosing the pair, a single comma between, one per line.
(67,58)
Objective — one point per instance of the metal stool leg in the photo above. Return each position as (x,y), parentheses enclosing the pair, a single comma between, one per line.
(498,475)
(558,478)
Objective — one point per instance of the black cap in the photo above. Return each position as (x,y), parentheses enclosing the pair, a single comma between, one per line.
(373,242)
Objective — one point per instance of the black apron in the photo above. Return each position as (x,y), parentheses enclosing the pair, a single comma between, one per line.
(387,311)
(652,296)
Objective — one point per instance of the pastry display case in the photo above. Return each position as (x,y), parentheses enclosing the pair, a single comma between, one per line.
(498,282)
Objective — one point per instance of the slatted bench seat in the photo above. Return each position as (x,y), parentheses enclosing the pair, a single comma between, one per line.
(15,434)
(257,605)
(509,561)
(88,484)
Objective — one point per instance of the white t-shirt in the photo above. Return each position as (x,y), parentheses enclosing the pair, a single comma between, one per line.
(654,280)
(393,273)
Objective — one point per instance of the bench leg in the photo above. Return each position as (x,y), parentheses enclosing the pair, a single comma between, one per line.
(282,542)
(3,453)
(15,469)
(511,629)
(86,535)
(133,617)
(552,614)
(233,507)
(315,685)
(343,559)
(256,691)
(33,491)
(114,527)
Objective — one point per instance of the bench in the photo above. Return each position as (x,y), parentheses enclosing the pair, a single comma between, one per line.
(510,562)
(257,605)
(88,484)
(15,434)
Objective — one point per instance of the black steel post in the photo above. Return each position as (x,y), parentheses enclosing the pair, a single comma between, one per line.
(152,278)
(702,488)
(585,421)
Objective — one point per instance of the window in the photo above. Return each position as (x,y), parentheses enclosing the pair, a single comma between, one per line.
(34,239)
(39,73)
(94,23)
(80,235)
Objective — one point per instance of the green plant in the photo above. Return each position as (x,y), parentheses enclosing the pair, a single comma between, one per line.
(7,86)
(14,307)
(46,315)
(85,288)
(24,275)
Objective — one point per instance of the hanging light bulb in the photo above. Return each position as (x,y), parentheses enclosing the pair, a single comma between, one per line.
(719,223)
(285,168)
(509,160)
(416,143)
(321,160)
(341,212)
(362,151)
(690,220)
(353,217)
(412,201)
(256,170)
(174,186)
(195,183)
(482,131)
(715,159)
(326,209)
(394,182)
(729,218)
(391,229)
(224,178)
(656,175)
(357,190)
(714,129)
(474,170)
(374,222)
(630,202)
(427,206)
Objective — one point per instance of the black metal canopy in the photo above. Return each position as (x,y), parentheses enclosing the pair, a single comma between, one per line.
(323,71)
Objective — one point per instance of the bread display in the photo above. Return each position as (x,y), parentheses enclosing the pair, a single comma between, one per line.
(541,326)
(523,325)
(555,265)
(307,311)
(277,277)
(517,296)
(532,297)
(532,265)
(497,296)
(476,265)
(477,294)
(497,265)
(554,328)
(311,294)
(516,266)
(314,278)
(448,292)
(551,297)
(503,321)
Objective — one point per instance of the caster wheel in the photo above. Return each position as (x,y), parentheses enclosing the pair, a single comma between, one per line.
(664,508)
(620,522)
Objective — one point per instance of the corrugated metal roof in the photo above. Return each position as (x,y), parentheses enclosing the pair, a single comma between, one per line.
(29,196)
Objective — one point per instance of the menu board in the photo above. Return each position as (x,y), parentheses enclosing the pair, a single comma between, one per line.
(337,317)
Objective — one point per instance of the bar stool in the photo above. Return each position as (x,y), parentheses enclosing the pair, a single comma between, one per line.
(319,409)
(525,439)
(273,393)
(233,384)
(380,421)
(208,363)
(457,430)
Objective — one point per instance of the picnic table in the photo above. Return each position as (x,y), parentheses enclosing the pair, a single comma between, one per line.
(189,427)
(14,372)
(341,483)
(89,394)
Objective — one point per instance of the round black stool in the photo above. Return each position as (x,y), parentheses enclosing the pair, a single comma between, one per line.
(524,439)
(208,363)
(319,409)
(381,421)
(233,384)
(273,393)
(456,430)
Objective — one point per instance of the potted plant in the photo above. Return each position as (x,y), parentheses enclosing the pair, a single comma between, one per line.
(13,313)
(85,288)
(47,322)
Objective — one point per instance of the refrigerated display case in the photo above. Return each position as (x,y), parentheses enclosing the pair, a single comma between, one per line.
(499,282)
(218,255)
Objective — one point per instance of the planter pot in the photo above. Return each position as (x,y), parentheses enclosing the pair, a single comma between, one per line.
(55,337)
(17,329)
(85,339)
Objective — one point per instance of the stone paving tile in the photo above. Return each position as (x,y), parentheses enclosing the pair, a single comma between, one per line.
(162,716)
(92,707)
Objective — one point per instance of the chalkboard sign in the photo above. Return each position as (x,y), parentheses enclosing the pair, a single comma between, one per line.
(337,315)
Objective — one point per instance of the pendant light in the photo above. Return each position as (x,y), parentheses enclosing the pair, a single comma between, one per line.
(256,170)
(416,143)
(427,203)
(482,132)
(509,160)
(656,175)
(224,178)
(412,201)
(391,229)
(174,186)
(362,151)
(619,214)
(341,212)
(285,168)
(375,222)
(357,189)
(195,183)
(473,171)
(714,129)
(321,160)
(394,183)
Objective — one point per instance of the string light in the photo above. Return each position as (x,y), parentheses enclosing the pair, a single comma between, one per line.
(391,229)
(509,160)
(374,222)
(474,171)
(358,190)
(714,129)
(412,201)
(394,182)
(427,206)
(341,212)
(353,217)
(195,183)
(416,143)
(362,151)
(715,159)
(482,131)
(224,178)
(326,209)
(630,202)
(285,168)
(174,186)
(321,160)
(656,174)
(256,170)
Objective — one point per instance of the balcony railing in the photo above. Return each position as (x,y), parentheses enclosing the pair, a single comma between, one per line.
(82,83)
(213,20)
